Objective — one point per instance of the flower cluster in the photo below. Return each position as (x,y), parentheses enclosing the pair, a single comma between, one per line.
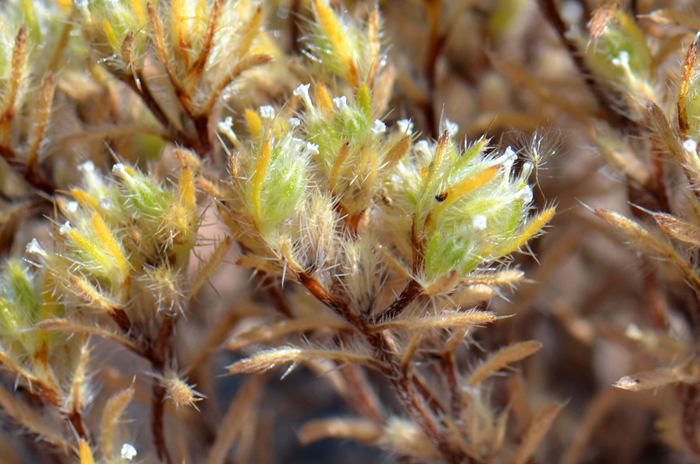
(387,238)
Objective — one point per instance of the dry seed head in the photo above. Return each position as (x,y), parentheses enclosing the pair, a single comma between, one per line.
(181,393)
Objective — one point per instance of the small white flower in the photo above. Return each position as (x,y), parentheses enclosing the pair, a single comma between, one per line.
(312,148)
(451,127)
(128,451)
(226,128)
(507,158)
(303,92)
(119,170)
(623,60)
(690,145)
(34,247)
(72,207)
(479,222)
(524,194)
(294,122)
(405,126)
(63,230)
(267,111)
(378,127)
(423,147)
(87,167)
(341,102)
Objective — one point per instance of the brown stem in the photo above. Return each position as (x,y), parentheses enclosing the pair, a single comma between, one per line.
(431,398)
(361,395)
(658,184)
(414,403)
(76,419)
(122,319)
(691,414)
(412,291)
(139,85)
(159,358)
(449,367)
(158,410)
(294,30)
(32,176)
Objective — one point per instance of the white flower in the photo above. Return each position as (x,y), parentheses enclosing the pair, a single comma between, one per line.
(451,127)
(226,128)
(378,127)
(119,170)
(63,230)
(303,92)
(267,111)
(524,194)
(72,207)
(312,148)
(690,146)
(87,167)
(479,222)
(128,451)
(34,247)
(405,126)
(340,102)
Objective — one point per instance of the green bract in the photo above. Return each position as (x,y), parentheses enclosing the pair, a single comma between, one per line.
(621,54)
(276,179)
(469,207)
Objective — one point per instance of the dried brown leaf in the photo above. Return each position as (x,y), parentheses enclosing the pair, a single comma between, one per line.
(442,320)
(75,399)
(500,359)
(111,417)
(267,332)
(602,16)
(206,271)
(678,229)
(535,433)
(32,420)
(651,380)
(685,88)
(241,408)
(354,429)
(644,240)
(507,277)
(70,326)
(269,359)
(675,18)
